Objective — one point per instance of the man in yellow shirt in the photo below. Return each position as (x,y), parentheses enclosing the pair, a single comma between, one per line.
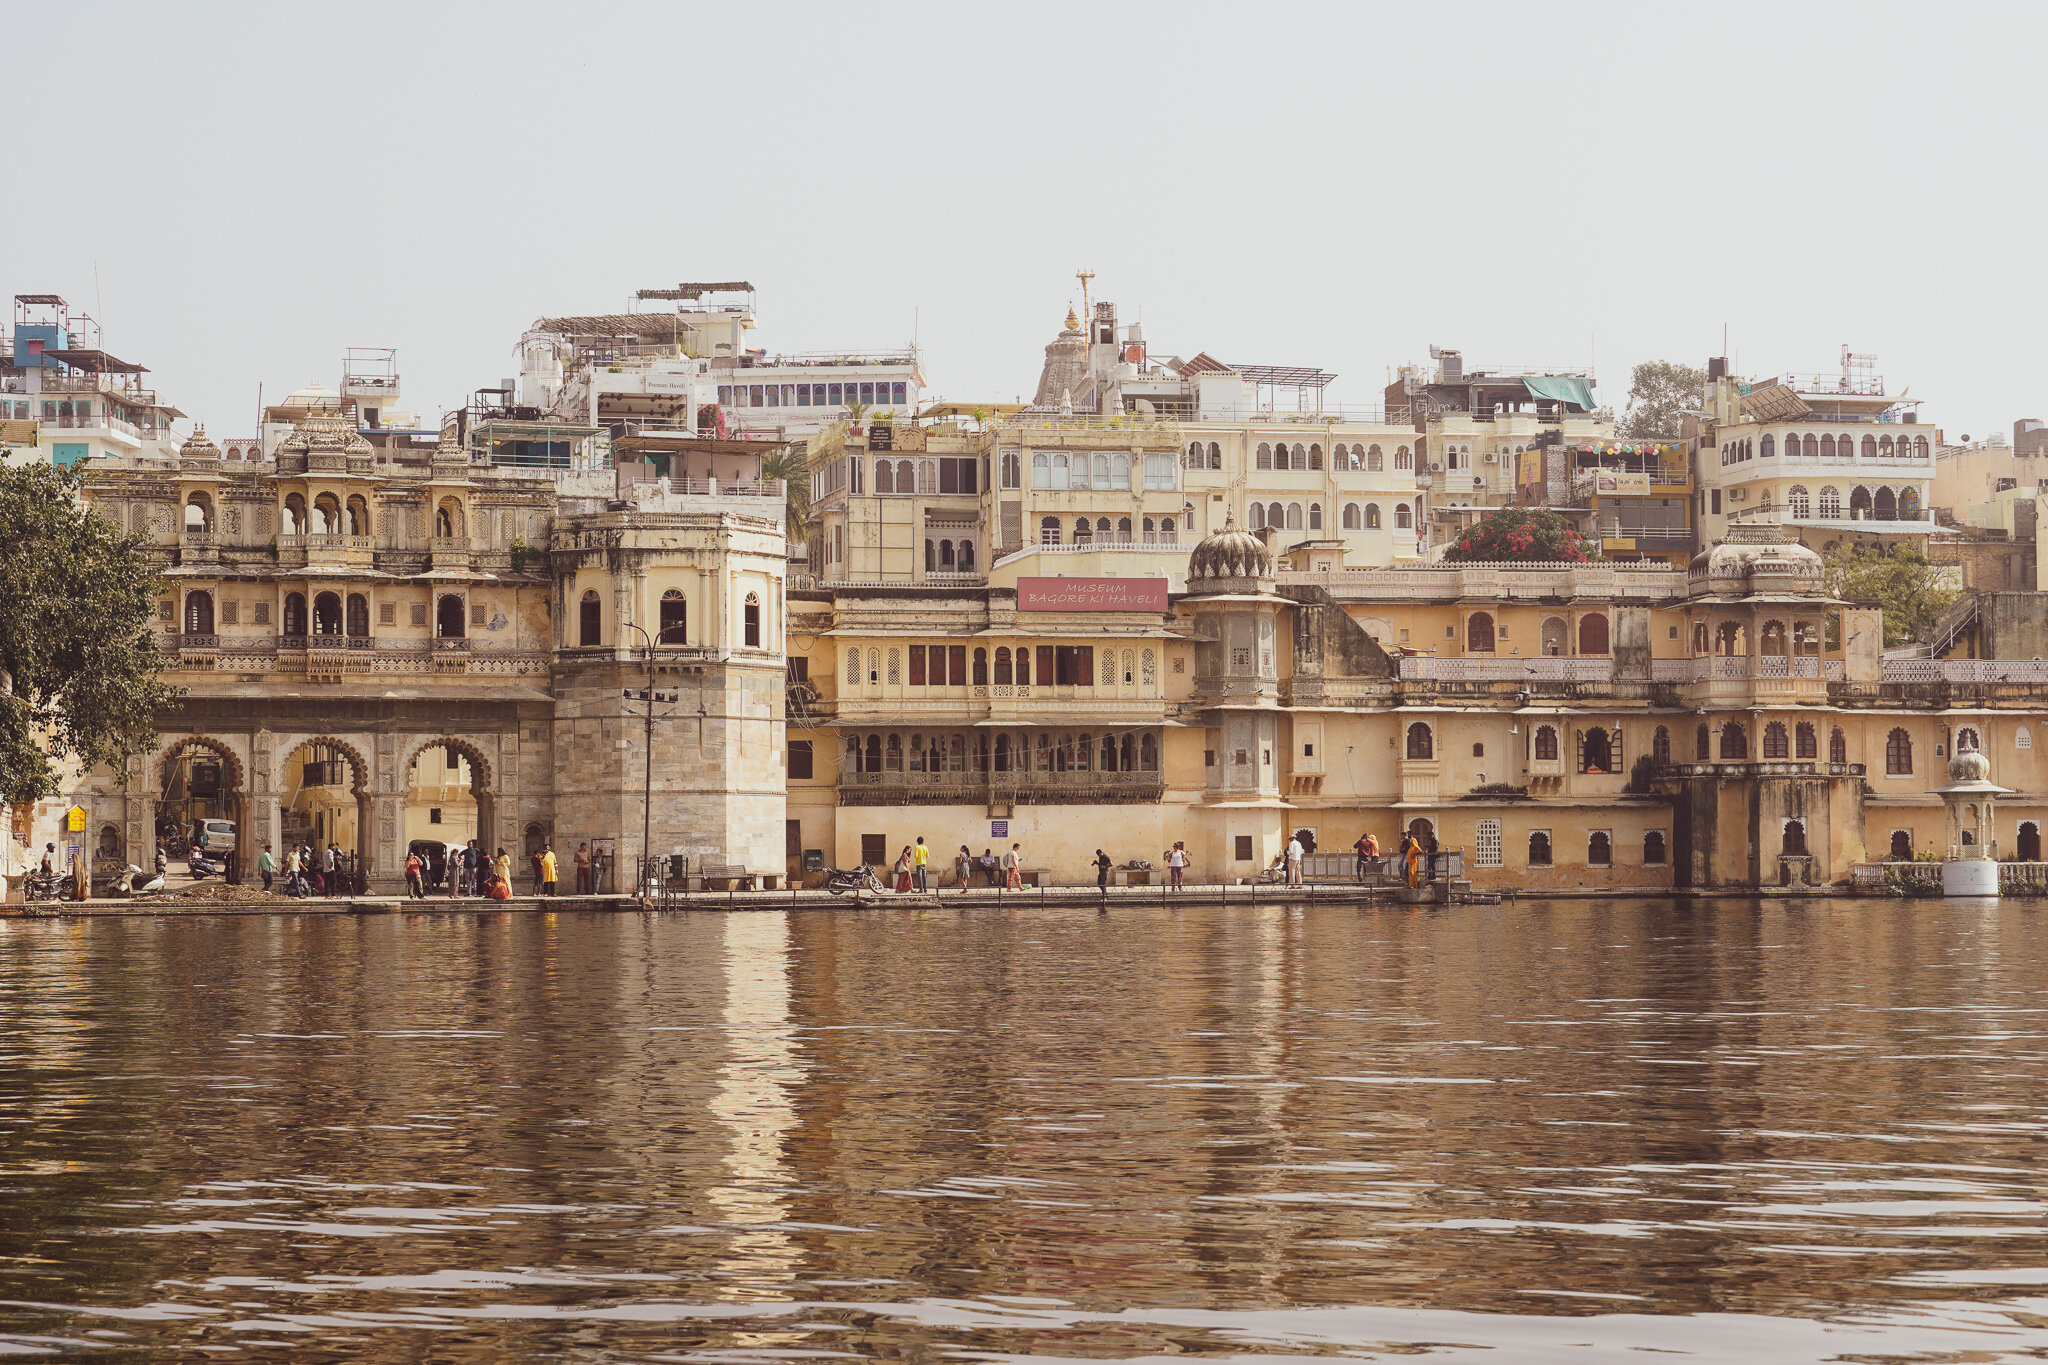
(548,868)
(920,856)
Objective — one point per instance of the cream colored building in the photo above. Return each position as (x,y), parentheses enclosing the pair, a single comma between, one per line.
(373,637)
(1835,457)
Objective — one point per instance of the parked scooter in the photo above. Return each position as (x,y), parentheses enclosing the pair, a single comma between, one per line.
(133,882)
(839,880)
(203,866)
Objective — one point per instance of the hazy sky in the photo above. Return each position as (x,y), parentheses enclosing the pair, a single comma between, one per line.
(262,186)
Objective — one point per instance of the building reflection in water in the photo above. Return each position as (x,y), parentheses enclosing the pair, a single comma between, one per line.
(753,1101)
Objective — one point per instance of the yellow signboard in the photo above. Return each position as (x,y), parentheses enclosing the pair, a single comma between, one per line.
(76,821)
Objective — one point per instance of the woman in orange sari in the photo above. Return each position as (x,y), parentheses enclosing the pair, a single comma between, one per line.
(1411,849)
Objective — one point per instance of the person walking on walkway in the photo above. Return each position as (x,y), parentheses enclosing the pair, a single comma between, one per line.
(903,872)
(265,866)
(920,857)
(412,876)
(1102,867)
(1013,877)
(1294,861)
(583,869)
(963,868)
(501,867)
(548,868)
(1176,863)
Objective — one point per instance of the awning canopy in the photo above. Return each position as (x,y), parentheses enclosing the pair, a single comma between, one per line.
(1572,389)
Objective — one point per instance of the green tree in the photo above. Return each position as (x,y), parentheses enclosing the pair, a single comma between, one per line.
(1907,584)
(1518,533)
(792,465)
(78,652)
(1660,394)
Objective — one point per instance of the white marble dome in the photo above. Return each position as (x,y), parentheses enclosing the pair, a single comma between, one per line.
(1230,552)
(1757,558)
(1969,765)
(198,447)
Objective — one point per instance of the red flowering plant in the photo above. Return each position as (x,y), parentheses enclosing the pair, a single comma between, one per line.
(1520,533)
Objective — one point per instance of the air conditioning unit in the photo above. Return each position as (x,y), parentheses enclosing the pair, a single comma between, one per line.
(1436,466)
(1735,495)
(1492,457)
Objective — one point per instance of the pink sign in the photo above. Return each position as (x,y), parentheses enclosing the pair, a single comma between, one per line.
(1091,594)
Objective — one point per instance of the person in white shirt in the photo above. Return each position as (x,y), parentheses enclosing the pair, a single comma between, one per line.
(1177,862)
(1294,862)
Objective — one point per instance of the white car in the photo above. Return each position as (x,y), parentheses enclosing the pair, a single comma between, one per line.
(220,836)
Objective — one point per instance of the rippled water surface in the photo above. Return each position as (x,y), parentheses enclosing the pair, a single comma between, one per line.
(1788,1132)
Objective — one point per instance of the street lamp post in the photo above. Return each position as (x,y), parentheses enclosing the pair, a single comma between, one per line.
(647,786)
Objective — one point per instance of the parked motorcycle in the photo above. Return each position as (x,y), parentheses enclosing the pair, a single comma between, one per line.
(41,886)
(202,866)
(840,880)
(134,882)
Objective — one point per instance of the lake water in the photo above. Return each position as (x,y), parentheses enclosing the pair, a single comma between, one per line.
(1553,1130)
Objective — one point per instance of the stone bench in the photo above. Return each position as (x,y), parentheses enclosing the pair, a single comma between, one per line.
(729,876)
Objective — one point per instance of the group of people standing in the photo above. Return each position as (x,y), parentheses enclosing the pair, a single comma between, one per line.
(308,871)
(912,872)
(467,871)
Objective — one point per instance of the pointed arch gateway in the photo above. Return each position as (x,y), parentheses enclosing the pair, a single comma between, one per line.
(307,780)
(480,785)
(184,789)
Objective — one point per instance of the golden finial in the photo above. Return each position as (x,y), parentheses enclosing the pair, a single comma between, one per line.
(1073,319)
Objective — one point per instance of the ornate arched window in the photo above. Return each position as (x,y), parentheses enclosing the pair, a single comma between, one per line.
(1421,743)
(1799,503)
(327,614)
(1479,633)
(1805,741)
(589,620)
(1653,848)
(1831,503)
(1702,743)
(1660,746)
(1734,741)
(1265,455)
(675,620)
(1593,635)
(294,614)
(1402,520)
(1546,744)
(1315,516)
(1373,459)
(1372,516)
(358,616)
(1352,521)
(199,613)
(1315,455)
(1838,747)
(1774,740)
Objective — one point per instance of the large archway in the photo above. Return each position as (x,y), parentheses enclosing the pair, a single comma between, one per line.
(201,784)
(448,797)
(323,800)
